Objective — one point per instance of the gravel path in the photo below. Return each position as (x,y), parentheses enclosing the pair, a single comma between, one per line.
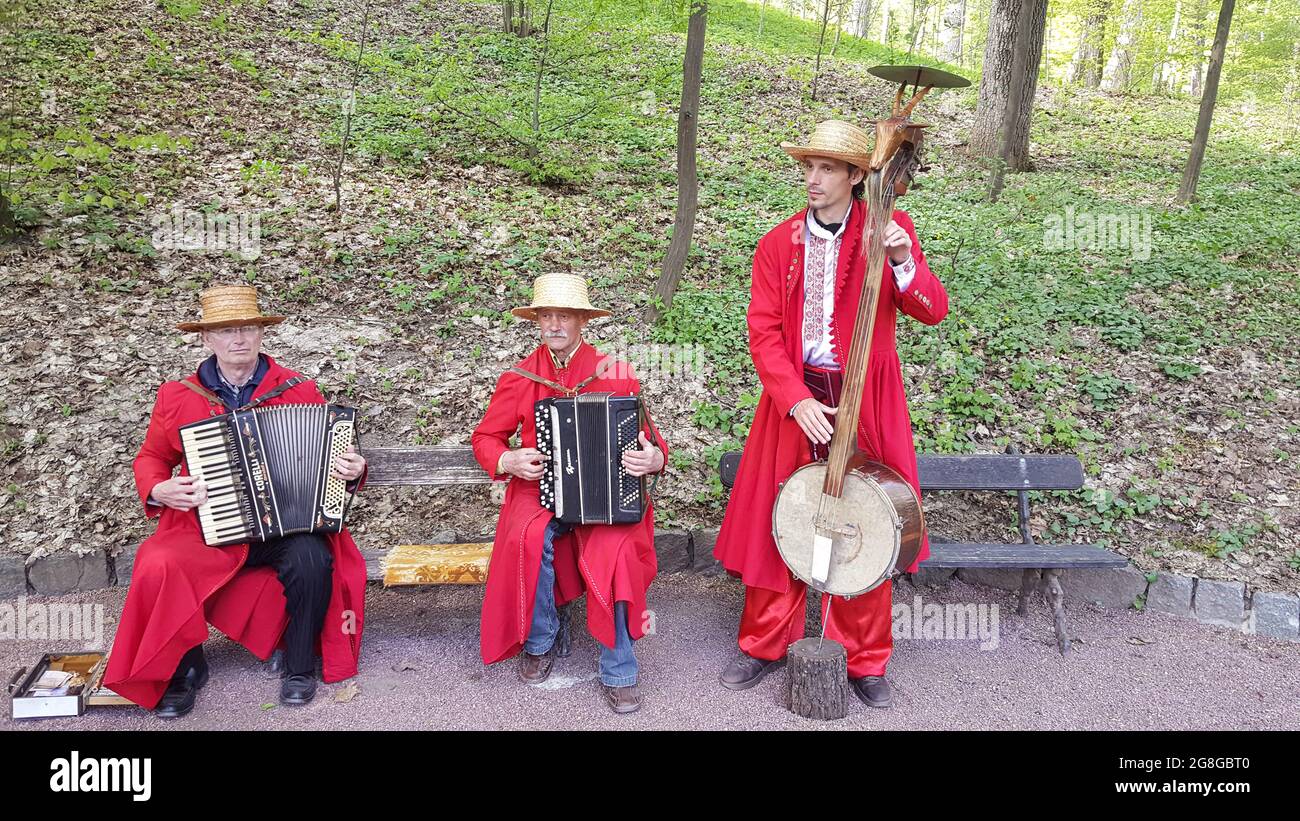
(1130,671)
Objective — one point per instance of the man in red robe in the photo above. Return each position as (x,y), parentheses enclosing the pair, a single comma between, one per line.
(539,563)
(808,277)
(304,592)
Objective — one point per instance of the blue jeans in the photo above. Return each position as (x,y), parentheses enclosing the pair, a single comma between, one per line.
(618,667)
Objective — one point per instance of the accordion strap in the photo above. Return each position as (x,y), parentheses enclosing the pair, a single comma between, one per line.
(271,394)
(276,391)
(567,391)
(204,392)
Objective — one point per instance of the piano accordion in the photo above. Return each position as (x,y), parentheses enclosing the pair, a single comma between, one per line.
(268,471)
(585,436)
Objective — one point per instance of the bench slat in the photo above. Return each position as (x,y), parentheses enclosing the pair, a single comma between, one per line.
(424,466)
(992,471)
(970,554)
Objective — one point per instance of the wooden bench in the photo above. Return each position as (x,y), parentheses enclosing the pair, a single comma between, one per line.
(1010,472)
(419,466)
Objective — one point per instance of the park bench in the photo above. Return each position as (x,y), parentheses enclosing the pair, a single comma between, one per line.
(1010,472)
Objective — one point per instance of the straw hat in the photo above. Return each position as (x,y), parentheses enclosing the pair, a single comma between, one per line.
(229,305)
(567,291)
(835,138)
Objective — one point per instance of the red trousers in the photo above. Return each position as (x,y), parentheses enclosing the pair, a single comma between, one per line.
(771,622)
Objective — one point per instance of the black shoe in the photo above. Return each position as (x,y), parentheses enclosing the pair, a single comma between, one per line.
(745,672)
(874,691)
(182,692)
(299,688)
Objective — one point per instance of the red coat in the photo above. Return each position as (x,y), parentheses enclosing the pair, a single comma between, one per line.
(179,584)
(611,562)
(776,445)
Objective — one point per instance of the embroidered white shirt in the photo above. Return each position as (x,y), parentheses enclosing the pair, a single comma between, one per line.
(820,263)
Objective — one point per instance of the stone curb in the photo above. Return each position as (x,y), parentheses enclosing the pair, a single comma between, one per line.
(1209,601)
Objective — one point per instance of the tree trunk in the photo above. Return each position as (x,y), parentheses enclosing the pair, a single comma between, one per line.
(1192,173)
(8,225)
(1192,87)
(950,26)
(817,679)
(1018,96)
(999,54)
(821,42)
(670,274)
(884,27)
(839,26)
(762,10)
(1166,70)
(1085,68)
(1116,75)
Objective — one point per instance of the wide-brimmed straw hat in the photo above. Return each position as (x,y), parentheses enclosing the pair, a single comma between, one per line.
(225,306)
(835,138)
(563,291)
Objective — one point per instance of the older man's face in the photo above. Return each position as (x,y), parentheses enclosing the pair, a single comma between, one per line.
(561,330)
(235,348)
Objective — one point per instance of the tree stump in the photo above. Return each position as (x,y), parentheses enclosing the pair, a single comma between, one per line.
(817,680)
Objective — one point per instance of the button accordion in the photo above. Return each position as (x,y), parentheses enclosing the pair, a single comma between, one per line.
(268,471)
(583,480)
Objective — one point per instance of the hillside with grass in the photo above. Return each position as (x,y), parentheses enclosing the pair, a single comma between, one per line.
(1169,367)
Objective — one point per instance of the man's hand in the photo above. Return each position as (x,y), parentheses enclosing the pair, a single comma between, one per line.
(898,243)
(349,466)
(180,493)
(526,463)
(809,414)
(649,459)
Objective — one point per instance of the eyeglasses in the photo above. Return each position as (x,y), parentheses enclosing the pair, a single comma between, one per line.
(231,333)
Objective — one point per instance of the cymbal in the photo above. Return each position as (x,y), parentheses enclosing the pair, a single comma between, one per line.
(919,76)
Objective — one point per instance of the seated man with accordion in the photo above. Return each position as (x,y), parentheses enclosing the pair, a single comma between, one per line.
(250,532)
(577,516)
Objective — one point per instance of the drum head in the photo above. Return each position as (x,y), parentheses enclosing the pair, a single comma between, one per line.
(865,524)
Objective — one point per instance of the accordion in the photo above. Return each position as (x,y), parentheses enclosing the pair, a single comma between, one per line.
(583,481)
(268,471)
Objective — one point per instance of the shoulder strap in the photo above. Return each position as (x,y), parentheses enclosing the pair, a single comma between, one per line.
(276,391)
(204,392)
(567,391)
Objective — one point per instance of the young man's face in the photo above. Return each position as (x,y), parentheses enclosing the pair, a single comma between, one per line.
(561,329)
(830,183)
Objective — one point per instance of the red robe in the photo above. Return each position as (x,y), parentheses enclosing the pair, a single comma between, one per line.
(611,562)
(776,445)
(179,584)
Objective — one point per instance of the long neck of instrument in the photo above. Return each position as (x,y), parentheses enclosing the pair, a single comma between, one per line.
(879,210)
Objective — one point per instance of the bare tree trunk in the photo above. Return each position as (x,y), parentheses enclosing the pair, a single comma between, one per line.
(347,114)
(1085,68)
(1116,75)
(884,27)
(999,54)
(950,26)
(1192,88)
(839,25)
(762,10)
(1166,70)
(1018,96)
(1192,173)
(670,274)
(535,147)
(821,42)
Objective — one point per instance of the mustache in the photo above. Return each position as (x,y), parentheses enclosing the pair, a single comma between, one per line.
(555,335)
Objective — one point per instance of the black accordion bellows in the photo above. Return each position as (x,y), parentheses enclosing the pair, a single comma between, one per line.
(268,471)
(583,481)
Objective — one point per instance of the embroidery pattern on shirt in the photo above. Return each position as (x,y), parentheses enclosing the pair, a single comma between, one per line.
(814,290)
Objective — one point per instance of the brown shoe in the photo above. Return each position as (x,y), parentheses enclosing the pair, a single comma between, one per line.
(535,669)
(745,672)
(873,690)
(622,699)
